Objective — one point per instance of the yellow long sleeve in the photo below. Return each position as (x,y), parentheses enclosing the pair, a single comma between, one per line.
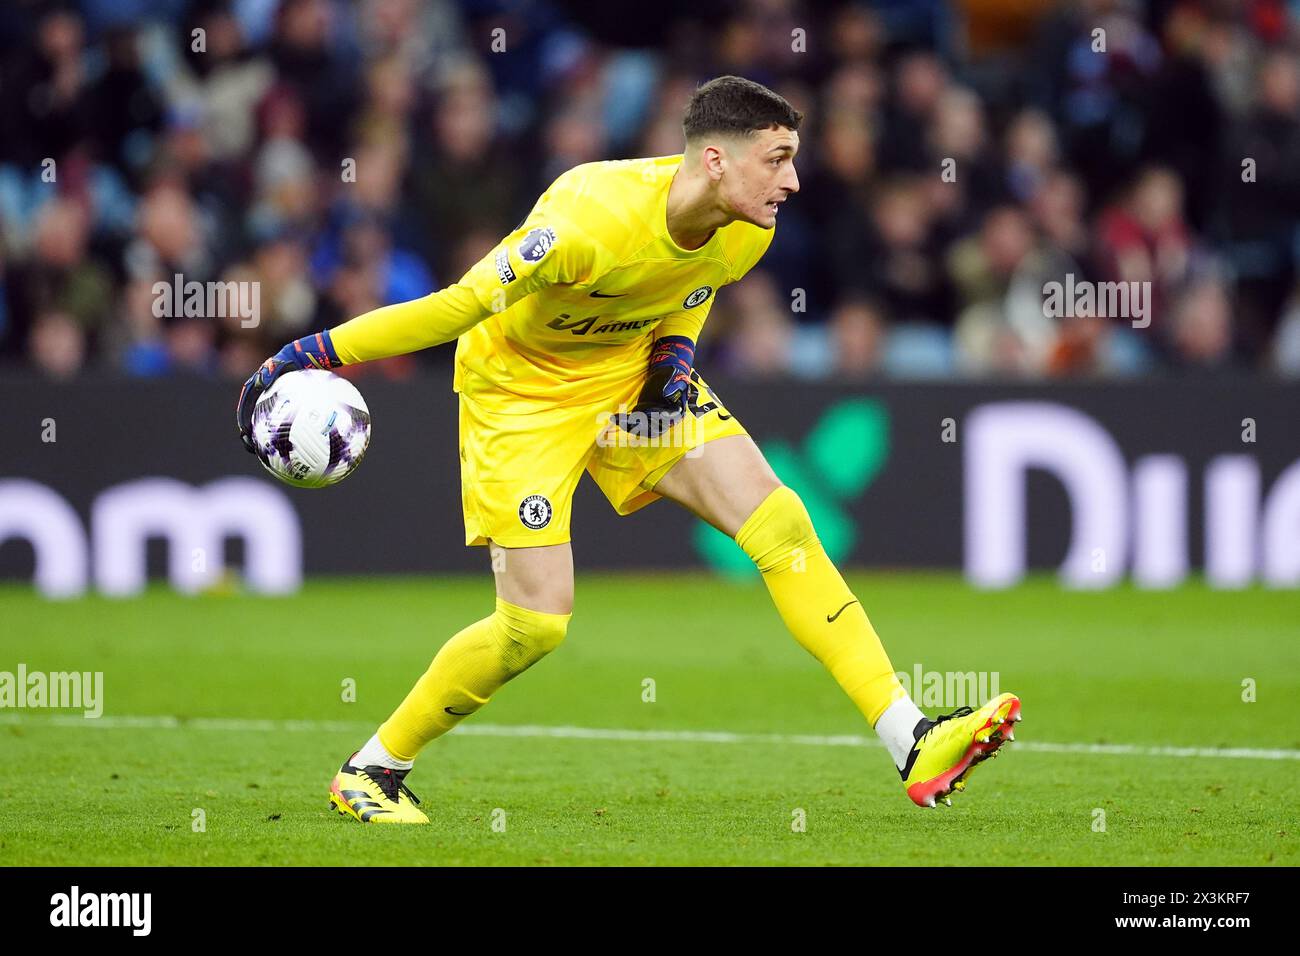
(525,261)
(409,326)
(687,323)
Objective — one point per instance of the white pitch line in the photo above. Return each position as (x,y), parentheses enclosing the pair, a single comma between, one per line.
(166,722)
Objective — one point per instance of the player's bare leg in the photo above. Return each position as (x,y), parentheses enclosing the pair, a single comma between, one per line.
(536,578)
(723,484)
(731,486)
(534,589)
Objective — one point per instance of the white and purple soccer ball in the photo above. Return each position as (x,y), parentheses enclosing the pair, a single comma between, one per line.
(311,428)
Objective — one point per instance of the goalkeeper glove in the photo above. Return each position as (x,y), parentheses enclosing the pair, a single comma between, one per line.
(663,399)
(312,351)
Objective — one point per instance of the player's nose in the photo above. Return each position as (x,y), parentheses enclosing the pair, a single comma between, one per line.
(791,182)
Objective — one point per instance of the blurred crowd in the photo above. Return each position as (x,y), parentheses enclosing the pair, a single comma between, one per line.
(956,158)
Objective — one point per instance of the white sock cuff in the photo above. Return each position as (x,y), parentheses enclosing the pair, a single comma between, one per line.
(895,728)
(374,754)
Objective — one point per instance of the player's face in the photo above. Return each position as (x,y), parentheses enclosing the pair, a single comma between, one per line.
(762,176)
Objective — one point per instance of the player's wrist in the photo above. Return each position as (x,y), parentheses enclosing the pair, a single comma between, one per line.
(669,374)
(673,351)
(311,351)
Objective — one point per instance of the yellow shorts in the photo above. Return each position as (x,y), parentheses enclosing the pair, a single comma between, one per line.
(518,471)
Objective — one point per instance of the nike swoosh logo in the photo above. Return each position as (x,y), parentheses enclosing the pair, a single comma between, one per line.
(607,295)
(830,618)
(457,713)
(723,418)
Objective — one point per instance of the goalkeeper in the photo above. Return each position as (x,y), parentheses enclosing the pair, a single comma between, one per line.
(576,354)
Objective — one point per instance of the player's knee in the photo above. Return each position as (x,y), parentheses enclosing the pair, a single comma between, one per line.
(780,532)
(790,524)
(546,634)
(526,636)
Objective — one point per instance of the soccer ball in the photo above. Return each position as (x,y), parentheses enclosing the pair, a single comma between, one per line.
(311,428)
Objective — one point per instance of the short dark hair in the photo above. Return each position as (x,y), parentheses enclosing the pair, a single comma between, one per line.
(736,106)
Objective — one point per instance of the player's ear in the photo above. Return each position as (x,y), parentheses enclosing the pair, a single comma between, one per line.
(713,158)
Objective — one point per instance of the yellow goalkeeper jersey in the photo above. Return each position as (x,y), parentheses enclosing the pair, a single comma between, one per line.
(578,293)
(566,307)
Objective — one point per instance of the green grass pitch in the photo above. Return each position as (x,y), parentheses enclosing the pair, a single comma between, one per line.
(256,689)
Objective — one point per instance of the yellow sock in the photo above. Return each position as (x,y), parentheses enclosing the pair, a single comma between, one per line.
(815,603)
(467,671)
